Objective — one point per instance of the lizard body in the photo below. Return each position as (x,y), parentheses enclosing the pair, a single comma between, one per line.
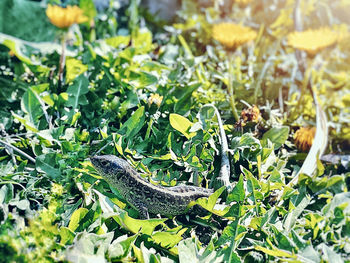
(142,195)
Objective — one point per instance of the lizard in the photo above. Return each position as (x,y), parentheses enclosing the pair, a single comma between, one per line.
(142,195)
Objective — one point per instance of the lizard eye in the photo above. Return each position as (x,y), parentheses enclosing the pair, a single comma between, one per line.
(103,162)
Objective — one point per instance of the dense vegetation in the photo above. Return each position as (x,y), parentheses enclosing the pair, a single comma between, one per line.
(125,82)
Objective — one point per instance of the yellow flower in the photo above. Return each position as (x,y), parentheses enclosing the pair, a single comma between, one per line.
(312,41)
(156,99)
(304,137)
(65,17)
(232,35)
(243,2)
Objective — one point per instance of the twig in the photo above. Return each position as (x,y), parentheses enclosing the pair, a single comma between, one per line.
(18,150)
(20,134)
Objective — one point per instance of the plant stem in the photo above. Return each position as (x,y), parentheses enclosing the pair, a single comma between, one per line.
(230,88)
(62,59)
(18,150)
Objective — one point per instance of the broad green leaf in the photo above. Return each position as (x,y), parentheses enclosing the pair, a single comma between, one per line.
(150,255)
(31,105)
(77,216)
(309,255)
(6,193)
(74,68)
(77,92)
(233,233)
(337,200)
(118,41)
(229,255)
(253,187)
(131,101)
(329,255)
(67,235)
(209,203)
(277,135)
(184,95)
(295,213)
(137,225)
(48,163)
(167,156)
(237,194)
(21,204)
(15,48)
(89,248)
(25,121)
(89,8)
(142,41)
(168,239)
(188,252)
(144,79)
(181,124)
(19,12)
(134,124)
(121,247)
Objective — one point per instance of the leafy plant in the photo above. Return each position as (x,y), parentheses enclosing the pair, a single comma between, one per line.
(138,89)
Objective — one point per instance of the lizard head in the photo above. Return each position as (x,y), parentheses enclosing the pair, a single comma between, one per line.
(109,166)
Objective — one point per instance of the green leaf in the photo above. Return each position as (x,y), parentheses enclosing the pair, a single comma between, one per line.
(88,7)
(142,41)
(74,68)
(121,247)
(77,92)
(118,41)
(277,135)
(19,12)
(67,235)
(21,204)
(295,213)
(15,48)
(329,255)
(169,238)
(237,194)
(275,252)
(142,79)
(187,251)
(48,163)
(31,106)
(89,247)
(337,200)
(181,124)
(209,203)
(184,95)
(136,225)
(76,217)
(6,193)
(229,255)
(134,124)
